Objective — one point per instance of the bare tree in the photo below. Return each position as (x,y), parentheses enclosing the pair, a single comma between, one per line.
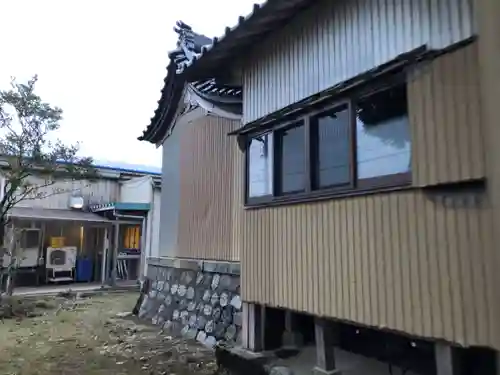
(32,159)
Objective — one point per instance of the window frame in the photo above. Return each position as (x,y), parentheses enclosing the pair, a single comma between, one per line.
(310,193)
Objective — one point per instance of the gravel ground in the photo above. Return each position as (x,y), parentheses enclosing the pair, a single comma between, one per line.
(93,336)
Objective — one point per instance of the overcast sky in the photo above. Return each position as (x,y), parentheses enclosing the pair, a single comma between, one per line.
(103,62)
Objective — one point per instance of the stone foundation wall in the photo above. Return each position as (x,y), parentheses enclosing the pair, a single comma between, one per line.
(198,300)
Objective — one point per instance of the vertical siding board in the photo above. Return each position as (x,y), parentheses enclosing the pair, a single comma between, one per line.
(413,280)
(471,83)
(443,275)
(345,281)
(319,260)
(335,246)
(397,250)
(381,278)
(402,26)
(373,256)
(357,274)
(365,261)
(435,281)
(469,314)
(388,254)
(452,65)
(490,258)
(316,265)
(455,241)
(461,94)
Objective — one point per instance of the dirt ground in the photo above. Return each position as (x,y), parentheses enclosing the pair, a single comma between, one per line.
(91,336)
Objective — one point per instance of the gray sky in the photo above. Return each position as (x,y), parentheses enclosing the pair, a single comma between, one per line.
(103,62)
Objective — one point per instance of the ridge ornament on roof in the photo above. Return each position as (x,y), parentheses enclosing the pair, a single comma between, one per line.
(179,95)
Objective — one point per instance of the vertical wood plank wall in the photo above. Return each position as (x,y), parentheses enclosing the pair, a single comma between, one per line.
(445,108)
(207,185)
(398,260)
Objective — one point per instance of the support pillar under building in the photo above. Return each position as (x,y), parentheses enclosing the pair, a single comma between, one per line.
(327,337)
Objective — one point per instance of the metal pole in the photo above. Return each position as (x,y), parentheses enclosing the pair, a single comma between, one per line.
(115,253)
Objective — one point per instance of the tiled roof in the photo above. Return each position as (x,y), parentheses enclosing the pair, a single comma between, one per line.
(189,45)
(264,18)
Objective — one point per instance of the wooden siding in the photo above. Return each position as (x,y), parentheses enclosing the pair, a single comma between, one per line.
(206,189)
(447,134)
(337,40)
(399,260)
(406,260)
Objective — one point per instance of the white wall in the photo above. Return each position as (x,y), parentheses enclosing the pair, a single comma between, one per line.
(137,190)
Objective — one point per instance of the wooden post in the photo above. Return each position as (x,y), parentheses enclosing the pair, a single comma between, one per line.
(446,360)
(326,335)
(104,258)
(253,327)
(115,252)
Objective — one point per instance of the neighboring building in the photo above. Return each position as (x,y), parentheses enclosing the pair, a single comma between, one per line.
(199,260)
(364,202)
(100,230)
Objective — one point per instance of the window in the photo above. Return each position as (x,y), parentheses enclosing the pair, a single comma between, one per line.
(330,134)
(291,159)
(383,134)
(360,144)
(260,154)
(132,238)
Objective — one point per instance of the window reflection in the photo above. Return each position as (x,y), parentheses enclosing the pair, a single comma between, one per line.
(332,154)
(292,159)
(383,134)
(260,166)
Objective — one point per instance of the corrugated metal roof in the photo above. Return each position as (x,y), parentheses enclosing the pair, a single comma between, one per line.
(54,214)
(265,18)
(127,167)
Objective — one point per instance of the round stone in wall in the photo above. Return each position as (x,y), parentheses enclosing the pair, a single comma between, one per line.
(210,326)
(174,288)
(190,293)
(176,314)
(184,315)
(199,278)
(206,296)
(182,290)
(217,312)
(215,281)
(207,310)
(236,302)
(210,341)
(191,306)
(227,315)
(168,300)
(224,299)
(201,336)
(192,321)
(153,293)
(214,299)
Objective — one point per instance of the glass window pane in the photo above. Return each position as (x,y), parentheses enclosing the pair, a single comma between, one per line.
(260,171)
(292,159)
(332,159)
(383,134)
